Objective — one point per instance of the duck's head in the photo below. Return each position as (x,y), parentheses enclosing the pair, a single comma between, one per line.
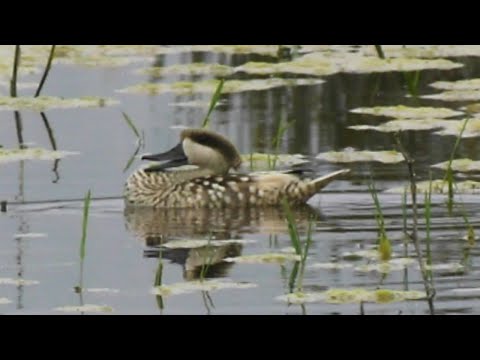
(203,148)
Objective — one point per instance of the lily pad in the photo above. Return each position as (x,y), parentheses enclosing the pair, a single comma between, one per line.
(193,286)
(192,244)
(349,296)
(303,66)
(330,266)
(209,86)
(424,51)
(102,290)
(232,49)
(43,103)
(270,258)
(455,95)
(17,282)
(360,254)
(386,267)
(409,124)
(188,69)
(29,235)
(470,84)
(450,267)
(347,156)
(264,161)
(86,308)
(441,187)
(4,301)
(9,155)
(407,112)
(460,165)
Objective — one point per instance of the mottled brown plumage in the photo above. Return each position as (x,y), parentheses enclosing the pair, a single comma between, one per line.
(211,185)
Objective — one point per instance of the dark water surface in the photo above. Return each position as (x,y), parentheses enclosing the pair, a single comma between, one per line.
(122,253)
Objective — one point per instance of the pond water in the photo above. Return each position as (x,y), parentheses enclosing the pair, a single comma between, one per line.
(40,265)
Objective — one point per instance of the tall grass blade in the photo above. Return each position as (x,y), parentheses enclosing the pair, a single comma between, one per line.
(292,227)
(132,126)
(86,207)
(379,50)
(46,71)
(213,103)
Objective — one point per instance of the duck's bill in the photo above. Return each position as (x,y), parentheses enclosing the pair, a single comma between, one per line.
(176,156)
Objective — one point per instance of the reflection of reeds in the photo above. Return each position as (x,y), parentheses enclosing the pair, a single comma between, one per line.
(46,71)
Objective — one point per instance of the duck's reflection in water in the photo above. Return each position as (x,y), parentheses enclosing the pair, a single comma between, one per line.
(156,227)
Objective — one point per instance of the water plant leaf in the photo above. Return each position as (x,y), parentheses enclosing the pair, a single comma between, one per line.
(43,103)
(256,161)
(330,266)
(302,66)
(102,290)
(209,86)
(470,84)
(441,187)
(349,296)
(448,267)
(413,125)
(350,155)
(460,165)
(386,267)
(407,112)
(193,286)
(270,50)
(17,282)
(360,254)
(191,69)
(85,308)
(192,244)
(270,258)
(4,301)
(10,155)
(29,235)
(455,95)
(424,51)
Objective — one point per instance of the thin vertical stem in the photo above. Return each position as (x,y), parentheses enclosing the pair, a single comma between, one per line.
(13,81)
(46,71)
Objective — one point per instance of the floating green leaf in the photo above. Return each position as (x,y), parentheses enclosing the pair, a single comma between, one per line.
(303,66)
(43,103)
(410,124)
(348,296)
(29,235)
(470,84)
(270,258)
(455,95)
(209,86)
(191,69)
(85,308)
(407,112)
(192,244)
(460,165)
(347,156)
(102,290)
(193,286)
(450,267)
(360,254)
(257,161)
(425,51)
(330,266)
(9,155)
(231,49)
(441,187)
(4,301)
(17,282)
(386,267)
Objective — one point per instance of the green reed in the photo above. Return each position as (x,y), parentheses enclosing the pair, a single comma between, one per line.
(277,142)
(412,80)
(86,208)
(131,125)
(213,103)
(384,245)
(379,50)
(16,64)
(46,71)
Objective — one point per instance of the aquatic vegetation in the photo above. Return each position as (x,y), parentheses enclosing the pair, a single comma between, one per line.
(442,187)
(192,244)
(86,208)
(204,285)
(460,165)
(270,258)
(85,308)
(407,112)
(350,155)
(455,95)
(188,69)
(4,301)
(349,296)
(213,103)
(270,50)
(257,161)
(330,266)
(17,282)
(424,51)
(301,66)
(386,267)
(361,254)
(449,267)
(43,103)
(470,84)
(209,86)
(102,290)
(10,155)
(29,235)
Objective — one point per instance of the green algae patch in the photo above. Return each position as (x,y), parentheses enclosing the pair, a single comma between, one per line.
(43,103)
(407,112)
(4,301)
(409,125)
(348,156)
(441,187)
(352,296)
(188,69)
(455,95)
(192,244)
(264,161)
(471,84)
(85,308)
(209,86)
(386,267)
(330,266)
(460,165)
(17,282)
(194,286)
(270,258)
(10,155)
